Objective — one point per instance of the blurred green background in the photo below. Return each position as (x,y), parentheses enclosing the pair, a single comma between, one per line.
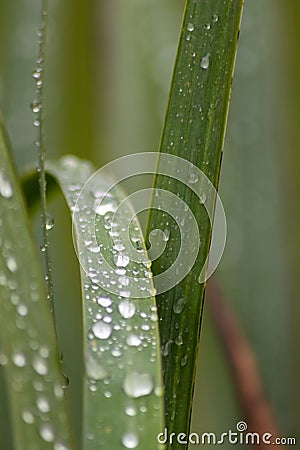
(108,73)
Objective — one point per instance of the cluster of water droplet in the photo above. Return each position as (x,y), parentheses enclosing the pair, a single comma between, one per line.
(121,328)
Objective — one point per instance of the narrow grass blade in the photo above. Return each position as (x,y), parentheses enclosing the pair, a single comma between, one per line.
(123,397)
(194,130)
(28,348)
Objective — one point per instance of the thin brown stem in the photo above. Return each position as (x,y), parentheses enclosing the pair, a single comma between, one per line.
(258,411)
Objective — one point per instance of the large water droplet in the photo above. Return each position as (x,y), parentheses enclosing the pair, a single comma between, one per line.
(121,260)
(130,440)
(102,330)
(104,301)
(19,359)
(11,264)
(43,404)
(47,433)
(183,361)
(6,189)
(126,309)
(94,369)
(49,222)
(104,206)
(190,27)
(179,339)
(137,384)
(28,417)
(179,305)
(205,62)
(133,340)
(130,411)
(22,310)
(40,365)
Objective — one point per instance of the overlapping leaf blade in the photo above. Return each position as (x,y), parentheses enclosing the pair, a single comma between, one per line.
(194,130)
(28,348)
(123,403)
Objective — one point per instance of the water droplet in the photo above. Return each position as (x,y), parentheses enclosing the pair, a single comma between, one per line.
(6,189)
(193,178)
(107,394)
(40,365)
(205,62)
(203,198)
(43,404)
(102,330)
(190,27)
(60,446)
(28,417)
(179,340)
(179,305)
(36,106)
(133,340)
(3,359)
(215,18)
(19,359)
(130,440)
(44,352)
(207,26)
(12,264)
(94,248)
(47,433)
(125,294)
(183,361)
(103,301)
(94,369)
(104,206)
(159,391)
(166,347)
(121,260)
(130,411)
(22,310)
(137,384)
(65,380)
(126,309)
(116,352)
(37,74)
(49,222)
(166,235)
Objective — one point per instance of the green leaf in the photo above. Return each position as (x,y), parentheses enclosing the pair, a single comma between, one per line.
(28,348)
(194,130)
(123,396)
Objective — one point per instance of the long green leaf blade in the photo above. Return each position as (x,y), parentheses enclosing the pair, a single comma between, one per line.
(28,348)
(194,130)
(123,397)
